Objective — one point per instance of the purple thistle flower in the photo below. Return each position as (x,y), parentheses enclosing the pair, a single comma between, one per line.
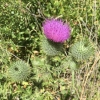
(56,30)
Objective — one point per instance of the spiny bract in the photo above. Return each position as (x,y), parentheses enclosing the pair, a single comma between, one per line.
(82,50)
(19,71)
(51,48)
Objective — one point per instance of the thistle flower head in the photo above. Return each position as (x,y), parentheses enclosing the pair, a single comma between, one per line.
(19,71)
(56,30)
(82,50)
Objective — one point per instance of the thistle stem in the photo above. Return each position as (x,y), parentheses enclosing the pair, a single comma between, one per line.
(73,82)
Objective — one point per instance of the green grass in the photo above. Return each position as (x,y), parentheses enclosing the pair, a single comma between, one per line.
(51,78)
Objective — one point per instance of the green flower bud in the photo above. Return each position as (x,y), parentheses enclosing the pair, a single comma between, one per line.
(19,71)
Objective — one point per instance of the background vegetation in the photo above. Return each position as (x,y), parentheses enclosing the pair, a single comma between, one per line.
(20,39)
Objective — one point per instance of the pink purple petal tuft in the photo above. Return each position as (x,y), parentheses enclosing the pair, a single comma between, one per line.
(56,30)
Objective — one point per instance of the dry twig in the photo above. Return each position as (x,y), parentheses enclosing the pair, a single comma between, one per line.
(88,74)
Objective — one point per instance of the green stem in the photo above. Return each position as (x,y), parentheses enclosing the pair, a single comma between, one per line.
(48,59)
(73,82)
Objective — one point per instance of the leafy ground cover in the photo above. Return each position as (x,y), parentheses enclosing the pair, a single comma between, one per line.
(27,72)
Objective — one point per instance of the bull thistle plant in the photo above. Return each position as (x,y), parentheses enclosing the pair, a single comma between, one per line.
(56,33)
(19,71)
(63,62)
